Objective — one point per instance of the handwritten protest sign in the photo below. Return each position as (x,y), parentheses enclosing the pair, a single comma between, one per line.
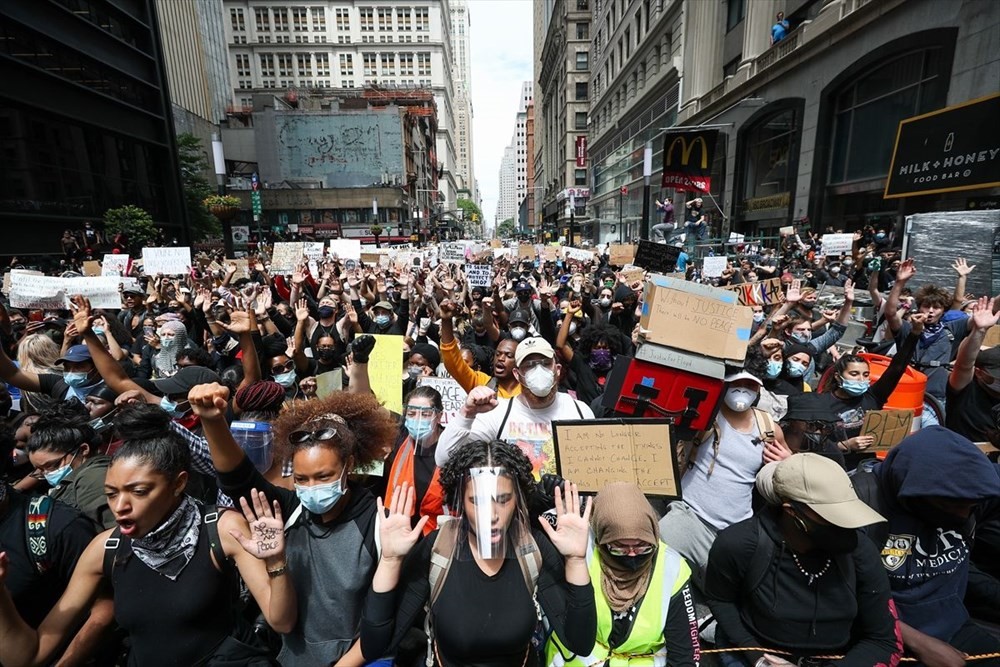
(372,258)
(621,254)
(385,370)
(451,253)
(763,293)
(452,395)
(6,277)
(594,453)
(329,382)
(656,257)
(92,268)
(115,265)
(346,248)
(526,252)
(633,274)
(836,244)
(496,243)
(313,250)
(712,267)
(888,426)
(787,231)
(578,254)
(479,275)
(29,290)
(286,256)
(168,261)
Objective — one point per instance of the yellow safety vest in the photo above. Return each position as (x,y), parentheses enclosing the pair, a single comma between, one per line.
(644,645)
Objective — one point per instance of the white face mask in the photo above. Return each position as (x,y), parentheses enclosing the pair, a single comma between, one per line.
(540,380)
(740,399)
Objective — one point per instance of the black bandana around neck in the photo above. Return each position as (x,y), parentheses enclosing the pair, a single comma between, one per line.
(169,548)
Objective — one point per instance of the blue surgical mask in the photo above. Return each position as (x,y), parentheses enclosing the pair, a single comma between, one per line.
(773,368)
(382,320)
(97,330)
(802,336)
(56,476)
(170,407)
(75,379)
(286,380)
(320,498)
(795,369)
(419,428)
(854,387)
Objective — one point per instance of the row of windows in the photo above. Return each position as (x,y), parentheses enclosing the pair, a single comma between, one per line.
(629,39)
(282,63)
(302,19)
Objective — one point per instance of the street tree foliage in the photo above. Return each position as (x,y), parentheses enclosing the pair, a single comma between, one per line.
(472,225)
(194,166)
(507,229)
(135,223)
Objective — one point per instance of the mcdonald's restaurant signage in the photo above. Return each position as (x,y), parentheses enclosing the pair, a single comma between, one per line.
(951,149)
(687,160)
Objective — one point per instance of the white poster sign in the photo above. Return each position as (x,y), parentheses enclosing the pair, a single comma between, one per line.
(168,261)
(479,275)
(452,396)
(836,244)
(115,265)
(286,256)
(346,248)
(451,253)
(714,266)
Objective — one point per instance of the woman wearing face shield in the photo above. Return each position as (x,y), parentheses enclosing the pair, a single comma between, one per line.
(645,609)
(796,577)
(484,575)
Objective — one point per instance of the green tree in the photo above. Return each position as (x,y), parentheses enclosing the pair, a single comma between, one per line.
(507,229)
(473,217)
(135,223)
(194,166)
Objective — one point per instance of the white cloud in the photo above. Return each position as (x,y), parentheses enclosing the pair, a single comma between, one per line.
(501,43)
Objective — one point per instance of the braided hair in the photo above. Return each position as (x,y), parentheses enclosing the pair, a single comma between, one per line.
(484,453)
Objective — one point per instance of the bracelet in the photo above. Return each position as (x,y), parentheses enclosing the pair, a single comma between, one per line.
(277,572)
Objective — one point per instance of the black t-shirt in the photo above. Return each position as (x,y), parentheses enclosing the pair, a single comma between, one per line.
(68,534)
(588,386)
(968,411)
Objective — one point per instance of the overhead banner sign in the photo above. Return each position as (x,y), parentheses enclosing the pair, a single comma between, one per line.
(687,160)
(951,149)
(581,151)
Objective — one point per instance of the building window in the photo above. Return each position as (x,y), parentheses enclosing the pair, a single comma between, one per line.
(422,19)
(388,64)
(262,19)
(300,19)
(385,18)
(582,60)
(347,83)
(406,64)
(304,63)
(323,64)
(346,64)
(367,19)
(236,19)
(369,62)
(735,11)
(867,112)
(319,19)
(242,64)
(579,177)
(343,17)
(266,64)
(581,90)
(583,31)
(771,148)
(403,19)
(280,19)
(285,64)
(423,64)
(580,122)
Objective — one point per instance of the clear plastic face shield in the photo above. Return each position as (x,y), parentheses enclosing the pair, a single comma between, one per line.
(494,513)
(421,422)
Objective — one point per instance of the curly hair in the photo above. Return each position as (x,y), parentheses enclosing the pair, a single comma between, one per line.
(595,333)
(483,453)
(932,295)
(62,427)
(369,435)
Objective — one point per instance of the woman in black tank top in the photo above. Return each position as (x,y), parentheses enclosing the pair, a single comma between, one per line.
(168,561)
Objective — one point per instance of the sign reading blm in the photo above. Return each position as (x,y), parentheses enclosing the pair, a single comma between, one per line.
(687,160)
(956,148)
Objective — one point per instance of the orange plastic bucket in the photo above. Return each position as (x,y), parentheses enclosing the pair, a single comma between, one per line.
(909,393)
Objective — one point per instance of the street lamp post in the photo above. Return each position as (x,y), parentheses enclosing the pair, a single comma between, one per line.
(647,172)
(218,157)
(621,217)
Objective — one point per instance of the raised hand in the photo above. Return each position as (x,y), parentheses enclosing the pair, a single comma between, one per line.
(239,322)
(481,399)
(571,535)
(397,535)
(849,290)
(906,270)
(447,309)
(267,530)
(962,268)
(82,317)
(301,310)
(983,316)
(794,293)
(209,401)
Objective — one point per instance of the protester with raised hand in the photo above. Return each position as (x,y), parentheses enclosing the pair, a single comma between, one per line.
(974,385)
(502,379)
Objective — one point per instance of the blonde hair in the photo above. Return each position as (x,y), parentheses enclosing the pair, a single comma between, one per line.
(37,353)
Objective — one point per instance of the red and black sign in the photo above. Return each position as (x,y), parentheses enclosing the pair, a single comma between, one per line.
(581,151)
(687,160)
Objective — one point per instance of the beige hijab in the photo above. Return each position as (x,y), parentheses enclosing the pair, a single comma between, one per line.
(621,512)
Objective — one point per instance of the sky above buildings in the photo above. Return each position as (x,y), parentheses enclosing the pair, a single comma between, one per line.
(501,45)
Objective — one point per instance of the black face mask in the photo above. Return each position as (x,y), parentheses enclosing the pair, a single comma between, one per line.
(325,312)
(826,538)
(813,442)
(326,356)
(631,562)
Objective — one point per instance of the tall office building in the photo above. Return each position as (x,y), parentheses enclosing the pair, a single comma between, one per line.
(85,121)
(806,125)
(507,200)
(461,30)
(318,45)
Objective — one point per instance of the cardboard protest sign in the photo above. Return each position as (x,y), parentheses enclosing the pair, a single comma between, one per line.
(286,256)
(371,258)
(329,382)
(633,275)
(452,395)
(92,268)
(552,253)
(888,426)
(501,252)
(115,265)
(242,268)
(479,275)
(346,248)
(836,244)
(697,318)
(34,290)
(385,370)
(712,267)
(451,253)
(656,257)
(992,336)
(526,252)
(620,255)
(594,453)
(763,293)
(168,261)
(496,243)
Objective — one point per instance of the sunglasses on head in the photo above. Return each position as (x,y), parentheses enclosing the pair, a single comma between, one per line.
(319,435)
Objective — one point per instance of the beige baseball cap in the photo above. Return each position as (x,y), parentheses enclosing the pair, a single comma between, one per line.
(529,346)
(821,484)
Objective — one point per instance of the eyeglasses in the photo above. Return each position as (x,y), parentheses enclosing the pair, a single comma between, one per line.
(319,435)
(53,465)
(282,368)
(528,365)
(634,550)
